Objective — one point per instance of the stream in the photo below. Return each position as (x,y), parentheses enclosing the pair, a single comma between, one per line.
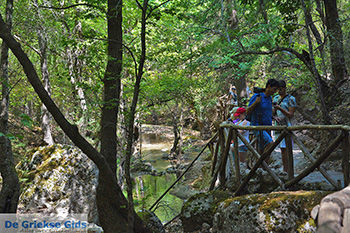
(148,188)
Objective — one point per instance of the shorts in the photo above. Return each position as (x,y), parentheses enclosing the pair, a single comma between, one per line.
(242,148)
(266,138)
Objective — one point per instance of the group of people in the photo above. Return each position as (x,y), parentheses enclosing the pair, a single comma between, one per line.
(262,109)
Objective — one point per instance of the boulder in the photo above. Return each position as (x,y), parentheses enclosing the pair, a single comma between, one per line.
(273,212)
(152,221)
(59,179)
(200,209)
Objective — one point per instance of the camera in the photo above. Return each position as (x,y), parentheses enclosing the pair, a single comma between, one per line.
(258,90)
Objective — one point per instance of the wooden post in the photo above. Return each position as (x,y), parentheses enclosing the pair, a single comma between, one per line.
(215,157)
(318,162)
(219,144)
(290,160)
(346,155)
(224,155)
(235,151)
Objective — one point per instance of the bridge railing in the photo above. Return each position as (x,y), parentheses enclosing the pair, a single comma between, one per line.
(228,132)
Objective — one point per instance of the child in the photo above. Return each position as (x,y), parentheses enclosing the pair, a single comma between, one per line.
(242,148)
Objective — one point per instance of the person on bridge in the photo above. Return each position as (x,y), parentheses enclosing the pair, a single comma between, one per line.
(284,108)
(242,148)
(260,110)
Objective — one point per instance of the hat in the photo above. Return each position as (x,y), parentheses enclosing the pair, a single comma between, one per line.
(239,111)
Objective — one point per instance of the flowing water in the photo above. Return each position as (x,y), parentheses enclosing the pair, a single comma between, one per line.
(149,188)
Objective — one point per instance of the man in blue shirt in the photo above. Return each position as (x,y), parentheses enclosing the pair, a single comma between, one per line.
(260,107)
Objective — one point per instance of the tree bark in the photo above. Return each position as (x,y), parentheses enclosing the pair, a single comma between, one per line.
(10,190)
(113,206)
(45,115)
(317,76)
(335,36)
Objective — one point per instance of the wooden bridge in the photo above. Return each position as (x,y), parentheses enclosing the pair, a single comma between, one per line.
(220,145)
(229,132)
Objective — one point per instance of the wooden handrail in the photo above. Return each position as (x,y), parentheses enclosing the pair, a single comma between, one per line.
(289,128)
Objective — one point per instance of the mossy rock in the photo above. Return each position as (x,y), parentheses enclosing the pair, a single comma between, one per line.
(151,221)
(58,179)
(273,212)
(200,209)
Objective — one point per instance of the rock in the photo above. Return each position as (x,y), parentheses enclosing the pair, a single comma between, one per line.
(200,209)
(175,226)
(273,212)
(60,179)
(183,191)
(93,228)
(142,167)
(152,221)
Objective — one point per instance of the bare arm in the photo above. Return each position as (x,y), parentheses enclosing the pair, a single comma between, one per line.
(289,113)
(253,106)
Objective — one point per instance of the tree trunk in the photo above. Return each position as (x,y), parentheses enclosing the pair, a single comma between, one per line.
(311,62)
(176,132)
(335,36)
(241,89)
(10,190)
(110,109)
(131,116)
(45,117)
(75,72)
(263,11)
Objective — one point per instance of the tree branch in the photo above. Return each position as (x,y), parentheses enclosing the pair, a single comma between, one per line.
(72,6)
(133,57)
(156,7)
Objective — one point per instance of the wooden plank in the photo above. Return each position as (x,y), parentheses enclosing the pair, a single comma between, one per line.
(259,162)
(309,156)
(290,160)
(346,156)
(264,164)
(235,150)
(318,162)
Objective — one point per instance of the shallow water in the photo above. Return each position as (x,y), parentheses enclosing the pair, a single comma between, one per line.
(149,188)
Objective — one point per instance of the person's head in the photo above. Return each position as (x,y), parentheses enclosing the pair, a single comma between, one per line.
(282,87)
(271,87)
(240,113)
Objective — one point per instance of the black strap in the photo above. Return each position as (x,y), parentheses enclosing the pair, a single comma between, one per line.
(280,101)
